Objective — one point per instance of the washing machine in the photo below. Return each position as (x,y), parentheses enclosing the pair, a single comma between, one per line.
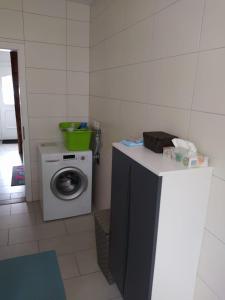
(66,181)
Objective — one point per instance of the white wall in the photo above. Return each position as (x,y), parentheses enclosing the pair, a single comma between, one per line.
(56,38)
(160,65)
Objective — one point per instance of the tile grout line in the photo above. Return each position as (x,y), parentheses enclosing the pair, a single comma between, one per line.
(215,236)
(24,41)
(59,94)
(157,105)
(77,264)
(67,63)
(157,59)
(215,294)
(125,28)
(43,14)
(196,70)
(57,69)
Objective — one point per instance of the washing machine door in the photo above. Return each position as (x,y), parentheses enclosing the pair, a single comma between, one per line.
(69,183)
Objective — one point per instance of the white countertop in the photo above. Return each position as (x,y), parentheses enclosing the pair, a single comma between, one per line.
(155,162)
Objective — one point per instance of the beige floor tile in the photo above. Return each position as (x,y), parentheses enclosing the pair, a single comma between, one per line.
(20,208)
(17,220)
(18,195)
(18,250)
(69,244)
(68,266)
(4,236)
(38,232)
(12,189)
(4,196)
(87,261)
(12,201)
(39,217)
(5,210)
(90,287)
(79,224)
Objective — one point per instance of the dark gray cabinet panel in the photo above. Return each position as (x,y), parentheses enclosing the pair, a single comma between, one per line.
(119,216)
(145,190)
(134,222)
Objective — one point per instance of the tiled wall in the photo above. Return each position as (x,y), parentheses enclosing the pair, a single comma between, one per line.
(56,38)
(160,65)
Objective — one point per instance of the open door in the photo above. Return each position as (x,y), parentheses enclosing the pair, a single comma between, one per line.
(15,79)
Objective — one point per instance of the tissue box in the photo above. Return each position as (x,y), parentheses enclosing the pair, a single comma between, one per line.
(157,140)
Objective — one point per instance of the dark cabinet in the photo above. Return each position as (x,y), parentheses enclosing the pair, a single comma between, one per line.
(134,218)
(143,221)
(119,217)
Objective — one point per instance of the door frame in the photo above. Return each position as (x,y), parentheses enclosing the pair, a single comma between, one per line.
(20,48)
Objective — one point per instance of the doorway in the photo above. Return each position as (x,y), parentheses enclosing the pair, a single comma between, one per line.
(15,173)
(12,177)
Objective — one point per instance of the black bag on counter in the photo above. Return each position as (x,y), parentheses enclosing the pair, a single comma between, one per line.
(157,140)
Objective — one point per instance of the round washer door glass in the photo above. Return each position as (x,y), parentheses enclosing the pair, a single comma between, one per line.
(69,183)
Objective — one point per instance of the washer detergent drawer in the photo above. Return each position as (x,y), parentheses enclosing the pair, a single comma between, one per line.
(68,183)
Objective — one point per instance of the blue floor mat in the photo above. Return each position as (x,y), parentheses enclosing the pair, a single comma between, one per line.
(32,277)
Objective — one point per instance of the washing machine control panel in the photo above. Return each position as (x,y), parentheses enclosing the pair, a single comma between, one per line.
(69,156)
(74,156)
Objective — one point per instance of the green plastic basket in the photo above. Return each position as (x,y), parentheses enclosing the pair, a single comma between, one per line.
(77,140)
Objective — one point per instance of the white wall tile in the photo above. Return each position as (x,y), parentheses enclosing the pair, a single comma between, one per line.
(212,264)
(133,119)
(210,87)
(78,33)
(177,28)
(172,81)
(100,56)
(78,83)
(203,292)
(46,81)
(115,48)
(171,120)
(55,8)
(11,4)
(99,83)
(206,131)
(99,32)
(78,11)
(130,83)
(44,29)
(137,10)
(77,105)
(161,4)
(11,24)
(115,17)
(215,220)
(213,25)
(45,128)
(108,112)
(46,105)
(41,55)
(98,7)
(77,119)
(139,41)
(78,59)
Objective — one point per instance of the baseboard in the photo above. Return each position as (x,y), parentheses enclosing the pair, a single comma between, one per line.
(9,141)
